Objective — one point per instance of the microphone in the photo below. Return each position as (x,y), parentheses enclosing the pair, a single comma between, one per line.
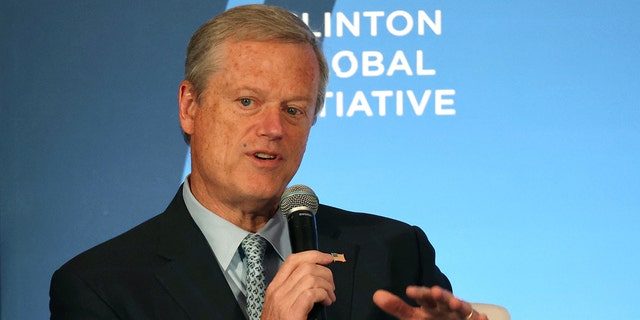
(299,205)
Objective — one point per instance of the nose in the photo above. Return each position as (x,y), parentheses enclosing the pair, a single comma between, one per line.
(271,123)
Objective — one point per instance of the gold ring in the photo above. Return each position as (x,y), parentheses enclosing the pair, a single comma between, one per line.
(470,315)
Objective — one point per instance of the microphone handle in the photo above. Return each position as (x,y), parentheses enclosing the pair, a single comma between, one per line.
(317,313)
(304,236)
(302,231)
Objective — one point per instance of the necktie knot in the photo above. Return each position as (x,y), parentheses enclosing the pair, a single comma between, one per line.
(254,247)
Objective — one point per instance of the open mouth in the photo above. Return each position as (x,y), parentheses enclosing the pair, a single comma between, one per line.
(264,156)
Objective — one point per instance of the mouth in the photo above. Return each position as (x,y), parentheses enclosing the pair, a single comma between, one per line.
(264,156)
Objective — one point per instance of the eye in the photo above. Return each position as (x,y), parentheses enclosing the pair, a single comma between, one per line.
(245,101)
(293,111)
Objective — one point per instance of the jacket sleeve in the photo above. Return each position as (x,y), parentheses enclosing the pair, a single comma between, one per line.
(430,273)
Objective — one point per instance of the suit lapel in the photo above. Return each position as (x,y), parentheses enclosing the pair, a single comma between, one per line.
(329,240)
(192,274)
(194,279)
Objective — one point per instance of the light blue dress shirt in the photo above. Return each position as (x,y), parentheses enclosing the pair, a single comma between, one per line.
(224,238)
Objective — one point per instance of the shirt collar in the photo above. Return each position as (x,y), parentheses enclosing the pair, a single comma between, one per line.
(224,237)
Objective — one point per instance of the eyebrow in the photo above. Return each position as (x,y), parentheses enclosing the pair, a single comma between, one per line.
(263,92)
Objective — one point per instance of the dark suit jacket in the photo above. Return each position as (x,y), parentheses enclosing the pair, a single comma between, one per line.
(164,269)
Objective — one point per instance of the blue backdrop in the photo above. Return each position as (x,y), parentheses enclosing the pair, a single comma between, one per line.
(508,131)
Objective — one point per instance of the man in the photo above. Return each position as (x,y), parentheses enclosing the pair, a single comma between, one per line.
(254,83)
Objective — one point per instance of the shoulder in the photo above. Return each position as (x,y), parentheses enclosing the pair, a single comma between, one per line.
(137,245)
(368,229)
(328,215)
(94,278)
(129,247)
(379,240)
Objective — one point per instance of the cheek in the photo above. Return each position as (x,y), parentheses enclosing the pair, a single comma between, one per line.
(301,143)
(212,131)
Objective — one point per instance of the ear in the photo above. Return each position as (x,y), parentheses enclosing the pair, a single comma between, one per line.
(188,106)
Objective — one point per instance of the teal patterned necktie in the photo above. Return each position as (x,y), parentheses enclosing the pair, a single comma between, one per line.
(254,247)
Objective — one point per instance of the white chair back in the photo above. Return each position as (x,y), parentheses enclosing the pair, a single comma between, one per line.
(494,312)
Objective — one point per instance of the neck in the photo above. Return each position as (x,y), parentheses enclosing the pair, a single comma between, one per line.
(248,214)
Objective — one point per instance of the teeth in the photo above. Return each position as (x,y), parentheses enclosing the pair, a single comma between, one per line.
(264,155)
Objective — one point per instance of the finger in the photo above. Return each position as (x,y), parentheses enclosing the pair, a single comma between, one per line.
(301,282)
(310,256)
(436,291)
(301,264)
(298,297)
(393,305)
(423,296)
(453,303)
(311,296)
(303,276)
(313,277)
(475,315)
(437,299)
(295,260)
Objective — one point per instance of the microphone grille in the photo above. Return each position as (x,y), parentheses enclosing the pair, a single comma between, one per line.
(298,196)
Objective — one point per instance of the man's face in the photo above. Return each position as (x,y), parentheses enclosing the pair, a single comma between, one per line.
(250,129)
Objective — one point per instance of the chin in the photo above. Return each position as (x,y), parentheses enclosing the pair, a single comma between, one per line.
(264,190)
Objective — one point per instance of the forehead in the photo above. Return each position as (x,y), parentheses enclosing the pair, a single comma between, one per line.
(264,53)
(269,63)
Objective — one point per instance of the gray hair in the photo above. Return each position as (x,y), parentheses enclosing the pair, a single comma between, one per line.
(249,22)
